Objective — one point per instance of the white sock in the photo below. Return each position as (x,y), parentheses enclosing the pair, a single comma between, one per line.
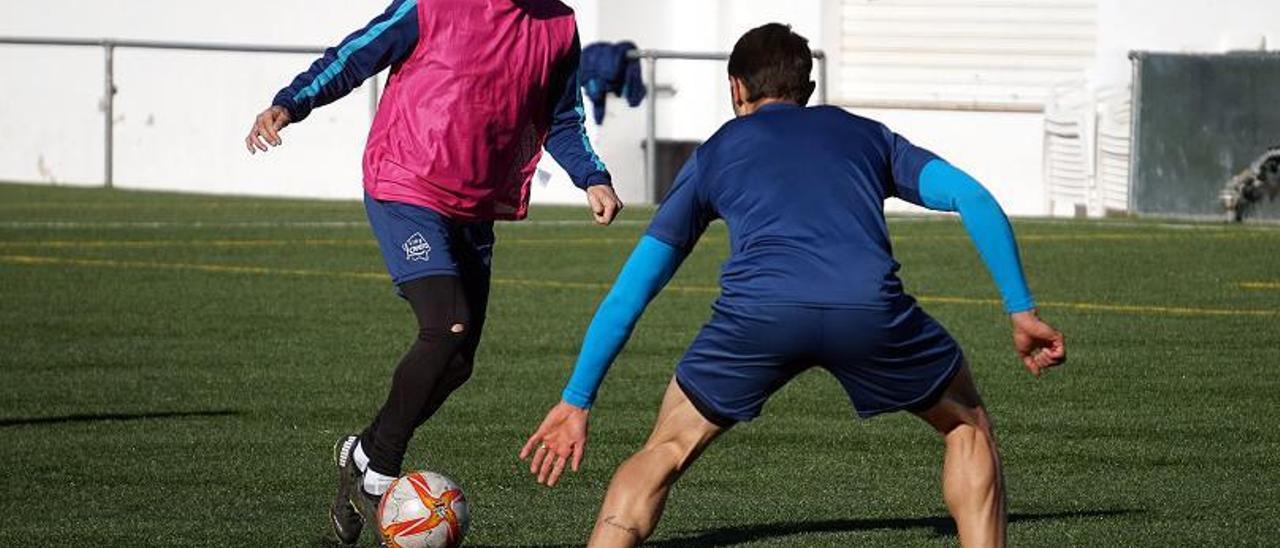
(375,483)
(362,460)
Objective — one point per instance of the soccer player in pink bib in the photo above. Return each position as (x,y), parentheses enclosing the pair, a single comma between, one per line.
(477,90)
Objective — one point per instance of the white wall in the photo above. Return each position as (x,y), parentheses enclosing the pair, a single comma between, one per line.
(1004,150)
(50,126)
(1182,26)
(181,116)
(699,103)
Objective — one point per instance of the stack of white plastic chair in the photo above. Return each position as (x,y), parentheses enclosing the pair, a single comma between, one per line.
(1114,130)
(1086,150)
(1068,150)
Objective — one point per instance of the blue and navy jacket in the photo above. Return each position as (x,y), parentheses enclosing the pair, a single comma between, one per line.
(608,68)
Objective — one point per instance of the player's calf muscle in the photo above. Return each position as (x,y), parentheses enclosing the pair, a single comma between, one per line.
(959,405)
(622,529)
(617,523)
(678,455)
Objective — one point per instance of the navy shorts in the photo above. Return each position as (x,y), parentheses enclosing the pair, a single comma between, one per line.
(886,359)
(418,242)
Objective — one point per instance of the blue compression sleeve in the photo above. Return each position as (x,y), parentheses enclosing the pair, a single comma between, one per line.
(649,269)
(945,188)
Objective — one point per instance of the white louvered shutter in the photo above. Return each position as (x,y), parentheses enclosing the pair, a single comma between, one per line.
(962,53)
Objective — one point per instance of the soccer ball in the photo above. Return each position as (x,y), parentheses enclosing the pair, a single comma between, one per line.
(423,510)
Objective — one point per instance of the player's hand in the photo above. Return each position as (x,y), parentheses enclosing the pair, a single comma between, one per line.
(1038,344)
(605,204)
(266,129)
(560,439)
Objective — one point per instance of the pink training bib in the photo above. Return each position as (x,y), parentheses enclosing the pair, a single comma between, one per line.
(461,124)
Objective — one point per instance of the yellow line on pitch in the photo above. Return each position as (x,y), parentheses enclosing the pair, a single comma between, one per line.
(504,241)
(1118,308)
(1159,310)
(1260,285)
(224,269)
(554,284)
(1095,237)
(97,244)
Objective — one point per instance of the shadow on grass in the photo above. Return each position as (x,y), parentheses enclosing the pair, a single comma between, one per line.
(941,525)
(777,532)
(103,417)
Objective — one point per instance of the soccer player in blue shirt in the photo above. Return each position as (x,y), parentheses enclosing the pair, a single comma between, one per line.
(810,281)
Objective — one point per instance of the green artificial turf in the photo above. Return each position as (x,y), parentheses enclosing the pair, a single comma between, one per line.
(174,370)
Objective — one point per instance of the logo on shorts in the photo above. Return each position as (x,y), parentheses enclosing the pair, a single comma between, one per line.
(416,248)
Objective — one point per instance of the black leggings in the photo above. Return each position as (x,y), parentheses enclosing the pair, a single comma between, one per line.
(450,312)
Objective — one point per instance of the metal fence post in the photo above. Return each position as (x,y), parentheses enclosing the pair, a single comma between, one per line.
(108,112)
(374,95)
(651,135)
(822,77)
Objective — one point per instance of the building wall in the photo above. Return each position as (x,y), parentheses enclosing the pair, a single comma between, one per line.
(1004,150)
(1182,26)
(693,96)
(181,117)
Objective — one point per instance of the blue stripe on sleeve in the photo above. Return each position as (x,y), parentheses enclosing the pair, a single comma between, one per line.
(945,188)
(586,143)
(649,268)
(350,48)
(567,140)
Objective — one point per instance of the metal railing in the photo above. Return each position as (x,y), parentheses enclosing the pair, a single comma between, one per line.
(109,89)
(651,101)
(109,46)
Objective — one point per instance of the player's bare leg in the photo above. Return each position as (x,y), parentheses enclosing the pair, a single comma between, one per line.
(638,491)
(972,481)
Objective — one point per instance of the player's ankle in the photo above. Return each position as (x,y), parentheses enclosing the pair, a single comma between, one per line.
(375,483)
(360,458)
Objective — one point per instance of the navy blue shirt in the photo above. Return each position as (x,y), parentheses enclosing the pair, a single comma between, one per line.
(802,191)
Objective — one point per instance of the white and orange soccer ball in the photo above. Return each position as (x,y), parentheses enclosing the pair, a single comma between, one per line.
(423,510)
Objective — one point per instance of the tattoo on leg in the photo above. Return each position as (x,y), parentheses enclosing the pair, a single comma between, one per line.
(611,521)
